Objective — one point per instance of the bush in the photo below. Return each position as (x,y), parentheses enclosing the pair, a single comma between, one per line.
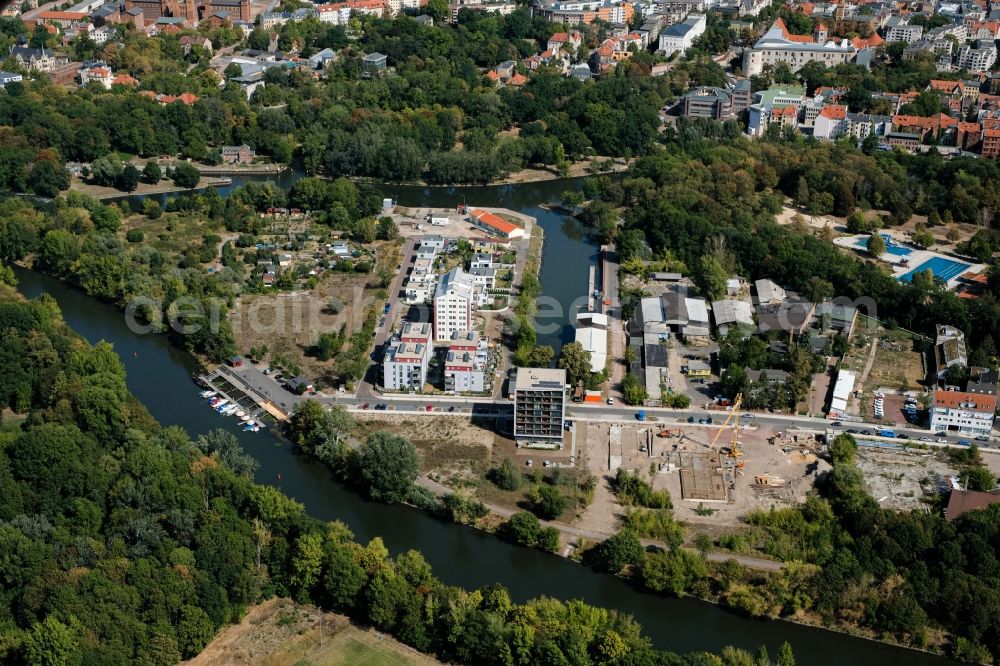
(135,236)
(186,176)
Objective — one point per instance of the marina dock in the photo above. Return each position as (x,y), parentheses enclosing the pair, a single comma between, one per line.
(231,386)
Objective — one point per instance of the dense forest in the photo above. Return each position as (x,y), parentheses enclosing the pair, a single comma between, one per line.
(127,543)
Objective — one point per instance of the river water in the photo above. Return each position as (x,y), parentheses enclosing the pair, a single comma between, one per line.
(160,376)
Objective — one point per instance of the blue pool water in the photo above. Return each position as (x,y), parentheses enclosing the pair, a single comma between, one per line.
(946,269)
(890,246)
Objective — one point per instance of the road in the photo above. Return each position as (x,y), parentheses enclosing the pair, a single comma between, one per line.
(616,328)
(382,333)
(459,406)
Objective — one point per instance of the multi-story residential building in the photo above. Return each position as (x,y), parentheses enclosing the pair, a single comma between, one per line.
(575,12)
(991,143)
(707,102)
(779,46)
(977,60)
(831,123)
(96,72)
(680,36)
(902,31)
(404,366)
(539,404)
(454,304)
(960,411)
(337,13)
(465,364)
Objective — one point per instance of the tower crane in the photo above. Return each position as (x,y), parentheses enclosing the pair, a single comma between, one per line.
(732,421)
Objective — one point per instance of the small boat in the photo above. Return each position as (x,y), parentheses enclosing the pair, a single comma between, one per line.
(230,409)
(251,421)
(256,428)
(247,428)
(244,418)
(240,413)
(219,404)
(208,394)
(280,477)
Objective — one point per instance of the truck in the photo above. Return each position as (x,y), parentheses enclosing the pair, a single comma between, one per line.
(885,432)
(640,416)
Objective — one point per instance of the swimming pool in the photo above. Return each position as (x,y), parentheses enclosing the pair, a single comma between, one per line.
(890,246)
(945,269)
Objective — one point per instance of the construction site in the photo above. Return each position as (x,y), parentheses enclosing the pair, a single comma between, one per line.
(715,473)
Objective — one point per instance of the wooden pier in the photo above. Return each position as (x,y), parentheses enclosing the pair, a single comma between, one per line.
(234,388)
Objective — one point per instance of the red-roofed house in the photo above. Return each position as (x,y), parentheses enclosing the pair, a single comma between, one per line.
(921,125)
(831,122)
(958,411)
(952,88)
(125,80)
(101,75)
(565,40)
(495,225)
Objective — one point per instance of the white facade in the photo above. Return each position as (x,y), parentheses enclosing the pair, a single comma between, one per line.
(777,46)
(969,413)
(405,363)
(904,33)
(454,305)
(681,36)
(465,364)
(977,60)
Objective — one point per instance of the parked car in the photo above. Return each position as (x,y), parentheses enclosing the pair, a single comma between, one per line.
(746,415)
(925,439)
(836,424)
(690,419)
(982,438)
(611,401)
(430,408)
(852,431)
(702,421)
(364,406)
(941,433)
(964,442)
(452,408)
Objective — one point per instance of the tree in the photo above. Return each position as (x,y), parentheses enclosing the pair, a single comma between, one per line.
(802,193)
(389,465)
(711,278)
(522,528)
(876,245)
(621,550)
(785,656)
(541,356)
(576,361)
(343,578)
(319,432)
(387,229)
(186,176)
(51,643)
(506,475)
(857,223)
(128,179)
(307,563)
(633,392)
(151,172)
(979,478)
(550,503)
(842,449)
(956,375)
(194,630)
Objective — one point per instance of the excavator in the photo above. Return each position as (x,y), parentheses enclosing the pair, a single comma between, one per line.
(732,421)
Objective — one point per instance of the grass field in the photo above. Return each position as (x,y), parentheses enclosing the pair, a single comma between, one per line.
(279,632)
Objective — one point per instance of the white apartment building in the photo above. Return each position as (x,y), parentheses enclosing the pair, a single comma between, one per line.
(405,363)
(681,36)
(454,304)
(334,14)
(977,60)
(958,411)
(904,33)
(465,365)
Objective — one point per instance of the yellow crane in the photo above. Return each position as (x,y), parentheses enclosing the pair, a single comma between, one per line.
(733,421)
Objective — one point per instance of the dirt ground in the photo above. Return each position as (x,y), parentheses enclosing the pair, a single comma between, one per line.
(764,453)
(895,367)
(280,632)
(289,322)
(902,480)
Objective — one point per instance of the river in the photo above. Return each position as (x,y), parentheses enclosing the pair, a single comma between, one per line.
(160,376)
